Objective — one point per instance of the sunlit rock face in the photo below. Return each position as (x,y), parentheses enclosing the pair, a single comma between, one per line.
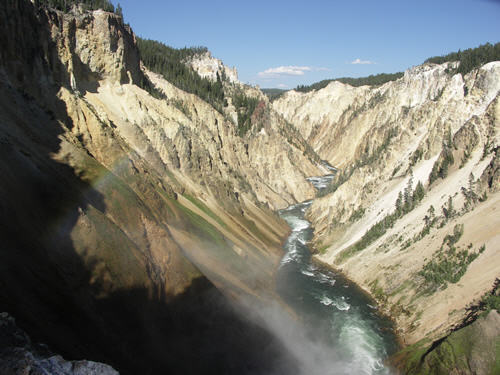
(430,125)
(129,219)
(209,67)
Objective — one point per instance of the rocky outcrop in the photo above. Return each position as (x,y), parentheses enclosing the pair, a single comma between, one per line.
(434,127)
(19,356)
(135,214)
(209,67)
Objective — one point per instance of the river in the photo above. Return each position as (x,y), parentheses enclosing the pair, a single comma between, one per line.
(336,314)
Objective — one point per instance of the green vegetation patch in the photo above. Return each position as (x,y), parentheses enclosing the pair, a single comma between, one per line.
(294,137)
(489,301)
(202,228)
(377,292)
(245,107)
(448,264)
(273,94)
(366,159)
(205,209)
(372,80)
(465,351)
(66,5)
(445,160)
(405,203)
(471,58)
(357,214)
(169,62)
(410,357)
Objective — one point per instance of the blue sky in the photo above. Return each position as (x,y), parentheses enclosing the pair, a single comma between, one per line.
(277,43)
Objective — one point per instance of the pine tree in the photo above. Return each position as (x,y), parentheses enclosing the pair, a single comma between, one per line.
(399,204)
(429,218)
(408,199)
(449,211)
(427,221)
(431,211)
(419,192)
(118,10)
(449,139)
(472,192)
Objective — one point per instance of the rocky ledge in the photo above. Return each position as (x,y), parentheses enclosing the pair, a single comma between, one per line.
(19,356)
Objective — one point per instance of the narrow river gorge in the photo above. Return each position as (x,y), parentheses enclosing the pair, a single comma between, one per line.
(157,215)
(338,316)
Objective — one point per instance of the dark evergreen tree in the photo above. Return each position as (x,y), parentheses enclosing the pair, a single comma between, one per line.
(448,210)
(432,212)
(372,80)
(471,58)
(170,63)
(66,5)
(118,10)
(399,204)
(419,192)
(407,195)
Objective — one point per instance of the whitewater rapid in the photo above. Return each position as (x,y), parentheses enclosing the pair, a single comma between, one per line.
(337,315)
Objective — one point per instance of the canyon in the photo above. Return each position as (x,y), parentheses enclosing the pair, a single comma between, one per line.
(140,225)
(387,140)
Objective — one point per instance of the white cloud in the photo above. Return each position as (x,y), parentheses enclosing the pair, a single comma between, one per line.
(284,70)
(288,70)
(282,86)
(363,62)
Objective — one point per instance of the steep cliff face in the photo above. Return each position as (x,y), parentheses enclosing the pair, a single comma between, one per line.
(121,211)
(431,126)
(209,67)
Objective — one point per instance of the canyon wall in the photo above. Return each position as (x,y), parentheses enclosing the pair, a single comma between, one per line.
(430,255)
(133,214)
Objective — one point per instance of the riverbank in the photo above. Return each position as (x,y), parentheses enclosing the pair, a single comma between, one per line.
(351,336)
(427,330)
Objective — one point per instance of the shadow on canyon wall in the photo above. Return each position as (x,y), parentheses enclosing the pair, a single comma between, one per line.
(44,282)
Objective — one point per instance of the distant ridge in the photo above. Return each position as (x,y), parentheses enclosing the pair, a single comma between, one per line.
(469,59)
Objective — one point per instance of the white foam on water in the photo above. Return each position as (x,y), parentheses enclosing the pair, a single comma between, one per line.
(321,182)
(292,238)
(338,304)
(297,224)
(289,257)
(325,279)
(312,267)
(300,225)
(341,305)
(293,253)
(292,207)
(327,301)
(362,347)
(307,273)
(286,259)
